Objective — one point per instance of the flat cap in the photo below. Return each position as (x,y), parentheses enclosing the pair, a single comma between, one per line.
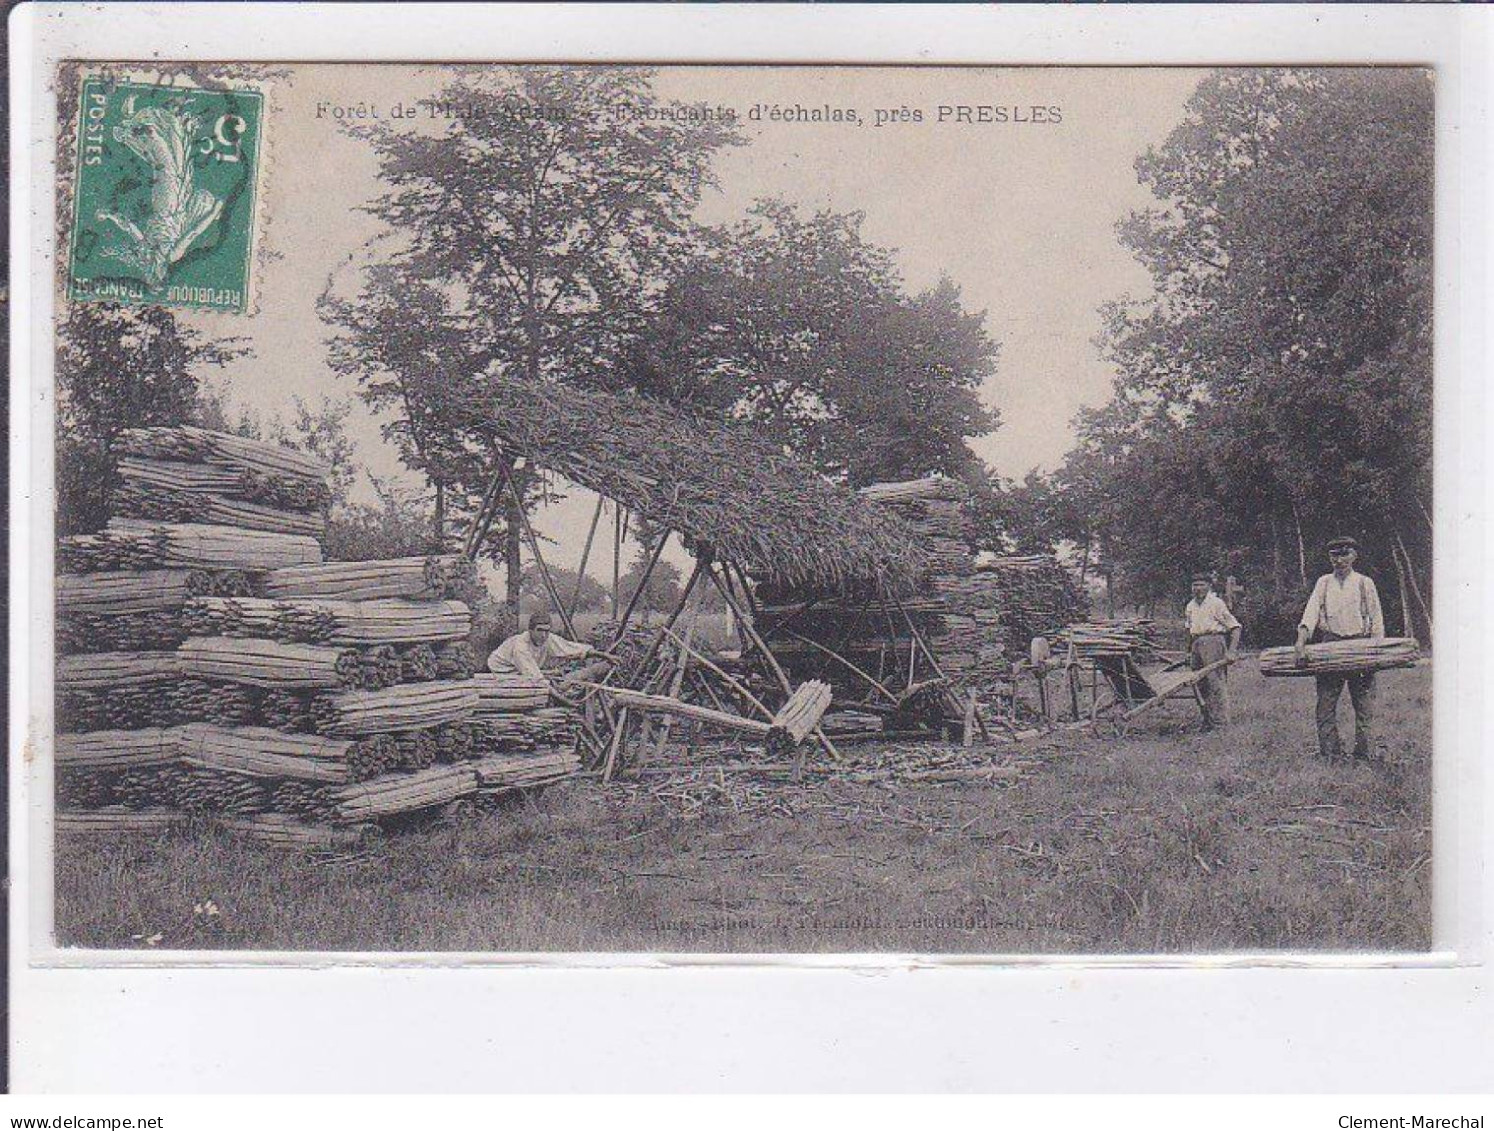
(540,619)
(1203,575)
(1343,542)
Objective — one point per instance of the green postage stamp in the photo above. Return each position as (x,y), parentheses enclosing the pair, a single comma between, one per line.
(165,194)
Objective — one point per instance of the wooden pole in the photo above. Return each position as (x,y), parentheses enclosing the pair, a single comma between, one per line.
(847,664)
(750,632)
(1407,628)
(486,511)
(615,747)
(928,653)
(617,536)
(676,686)
(643,581)
(539,559)
(730,680)
(596,517)
(638,672)
(1415,588)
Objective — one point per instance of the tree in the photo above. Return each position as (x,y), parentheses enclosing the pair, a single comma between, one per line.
(664,584)
(799,325)
(1276,387)
(542,213)
(593,594)
(119,367)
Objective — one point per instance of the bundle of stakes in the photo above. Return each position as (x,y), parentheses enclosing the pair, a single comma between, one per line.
(395,794)
(120,820)
(384,621)
(227,704)
(205,546)
(118,749)
(417,663)
(257,458)
(1133,636)
(129,707)
(281,830)
(420,579)
(406,706)
(455,660)
(1341,657)
(125,632)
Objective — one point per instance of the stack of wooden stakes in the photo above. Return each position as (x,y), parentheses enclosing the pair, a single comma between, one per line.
(225,672)
(975,616)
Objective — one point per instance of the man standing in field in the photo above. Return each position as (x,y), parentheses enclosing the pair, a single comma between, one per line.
(1344,605)
(530,652)
(1213,634)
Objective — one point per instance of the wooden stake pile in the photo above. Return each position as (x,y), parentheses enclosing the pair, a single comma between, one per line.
(223,670)
(973,617)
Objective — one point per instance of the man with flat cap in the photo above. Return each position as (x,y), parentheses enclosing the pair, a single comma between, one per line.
(530,652)
(1213,634)
(1344,605)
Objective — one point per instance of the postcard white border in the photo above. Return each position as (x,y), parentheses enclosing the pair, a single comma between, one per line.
(490,1022)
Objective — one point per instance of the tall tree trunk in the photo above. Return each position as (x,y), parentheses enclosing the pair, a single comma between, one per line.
(1301,546)
(1278,566)
(440,531)
(1421,603)
(1084,561)
(513,534)
(1407,628)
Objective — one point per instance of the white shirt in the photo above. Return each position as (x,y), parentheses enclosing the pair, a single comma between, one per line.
(1209,615)
(1350,607)
(519,654)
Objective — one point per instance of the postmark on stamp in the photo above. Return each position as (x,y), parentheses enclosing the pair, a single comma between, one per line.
(165,194)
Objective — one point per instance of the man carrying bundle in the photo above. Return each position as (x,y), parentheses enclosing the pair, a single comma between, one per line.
(1344,605)
(1213,635)
(530,652)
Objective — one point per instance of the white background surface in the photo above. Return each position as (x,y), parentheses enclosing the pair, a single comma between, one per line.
(877,1024)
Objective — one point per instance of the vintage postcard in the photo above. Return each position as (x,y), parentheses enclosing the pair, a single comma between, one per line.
(581,508)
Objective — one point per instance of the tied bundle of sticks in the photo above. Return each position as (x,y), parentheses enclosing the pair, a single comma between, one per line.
(396,794)
(146,501)
(499,774)
(263,468)
(1341,657)
(290,667)
(281,830)
(393,621)
(420,579)
(404,707)
(127,707)
(129,543)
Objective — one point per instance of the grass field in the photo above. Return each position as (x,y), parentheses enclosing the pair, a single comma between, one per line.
(1166,840)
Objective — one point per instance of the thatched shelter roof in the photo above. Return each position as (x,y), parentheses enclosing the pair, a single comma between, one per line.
(719,485)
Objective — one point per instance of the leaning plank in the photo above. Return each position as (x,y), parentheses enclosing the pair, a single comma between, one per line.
(802,713)
(261,752)
(219,547)
(642,700)
(96,670)
(119,749)
(404,707)
(393,794)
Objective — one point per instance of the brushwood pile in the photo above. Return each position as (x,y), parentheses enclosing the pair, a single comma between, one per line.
(212,667)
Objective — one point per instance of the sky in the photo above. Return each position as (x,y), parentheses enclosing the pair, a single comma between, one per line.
(1021,215)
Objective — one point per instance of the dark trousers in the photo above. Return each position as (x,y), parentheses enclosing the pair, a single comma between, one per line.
(1361,695)
(1203,651)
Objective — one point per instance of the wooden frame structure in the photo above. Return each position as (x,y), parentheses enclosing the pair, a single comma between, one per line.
(738,505)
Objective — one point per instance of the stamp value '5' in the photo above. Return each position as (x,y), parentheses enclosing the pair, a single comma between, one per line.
(165,194)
